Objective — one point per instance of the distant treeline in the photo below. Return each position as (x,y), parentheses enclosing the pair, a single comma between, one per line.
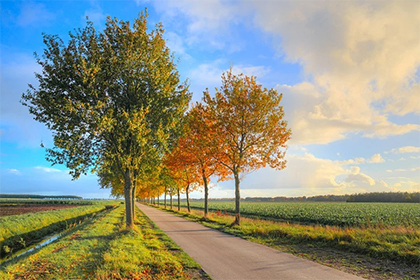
(361,197)
(385,197)
(335,198)
(35,196)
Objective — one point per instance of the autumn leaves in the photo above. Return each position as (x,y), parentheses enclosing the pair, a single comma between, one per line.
(239,130)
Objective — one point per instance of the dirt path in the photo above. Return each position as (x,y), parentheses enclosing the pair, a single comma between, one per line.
(224,256)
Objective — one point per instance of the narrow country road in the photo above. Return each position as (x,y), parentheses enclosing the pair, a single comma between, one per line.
(227,257)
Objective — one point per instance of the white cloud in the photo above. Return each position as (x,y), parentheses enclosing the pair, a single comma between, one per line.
(406,186)
(406,149)
(14,171)
(376,158)
(308,175)
(207,75)
(362,57)
(48,169)
(176,44)
(206,23)
(258,71)
(361,178)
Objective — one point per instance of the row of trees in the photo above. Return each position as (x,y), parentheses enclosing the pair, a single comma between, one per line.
(116,106)
(413,197)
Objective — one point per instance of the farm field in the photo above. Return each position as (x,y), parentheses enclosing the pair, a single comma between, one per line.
(18,209)
(326,213)
(101,248)
(373,240)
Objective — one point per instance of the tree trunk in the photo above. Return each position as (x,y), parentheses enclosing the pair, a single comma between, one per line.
(170,199)
(206,196)
(237,199)
(164,199)
(133,199)
(179,199)
(128,192)
(158,201)
(188,198)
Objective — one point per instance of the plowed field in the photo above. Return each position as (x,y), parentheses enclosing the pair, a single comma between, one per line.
(18,209)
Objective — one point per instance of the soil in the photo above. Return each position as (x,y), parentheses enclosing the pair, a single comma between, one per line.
(18,209)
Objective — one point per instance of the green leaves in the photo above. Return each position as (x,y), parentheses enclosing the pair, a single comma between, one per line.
(113,99)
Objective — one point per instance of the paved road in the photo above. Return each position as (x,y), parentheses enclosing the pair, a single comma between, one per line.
(224,256)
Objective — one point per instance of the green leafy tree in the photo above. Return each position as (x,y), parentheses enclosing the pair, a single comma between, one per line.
(112,99)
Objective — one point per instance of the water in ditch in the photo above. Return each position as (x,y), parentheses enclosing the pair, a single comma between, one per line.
(47,240)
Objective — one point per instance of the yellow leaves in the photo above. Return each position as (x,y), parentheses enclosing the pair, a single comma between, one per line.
(245,123)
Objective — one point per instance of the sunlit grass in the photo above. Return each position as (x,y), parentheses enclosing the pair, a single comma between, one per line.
(103,249)
(19,231)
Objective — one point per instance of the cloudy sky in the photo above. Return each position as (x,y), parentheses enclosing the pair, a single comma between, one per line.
(349,72)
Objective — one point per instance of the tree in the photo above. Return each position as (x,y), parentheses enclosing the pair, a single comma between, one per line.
(182,168)
(113,101)
(246,126)
(197,145)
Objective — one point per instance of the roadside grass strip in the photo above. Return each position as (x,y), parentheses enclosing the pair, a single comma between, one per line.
(388,251)
(102,248)
(20,231)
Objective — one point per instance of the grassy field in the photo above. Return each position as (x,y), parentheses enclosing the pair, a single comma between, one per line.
(101,248)
(384,243)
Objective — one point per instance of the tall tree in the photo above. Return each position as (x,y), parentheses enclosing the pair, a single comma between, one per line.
(246,128)
(113,99)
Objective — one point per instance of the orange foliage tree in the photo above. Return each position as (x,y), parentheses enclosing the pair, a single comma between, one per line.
(246,129)
(182,169)
(196,147)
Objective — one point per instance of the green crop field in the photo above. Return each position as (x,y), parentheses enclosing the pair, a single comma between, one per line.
(373,240)
(326,213)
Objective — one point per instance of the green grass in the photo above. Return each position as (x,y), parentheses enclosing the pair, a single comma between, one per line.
(19,231)
(326,213)
(394,249)
(101,248)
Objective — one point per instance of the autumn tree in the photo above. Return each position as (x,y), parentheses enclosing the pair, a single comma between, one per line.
(182,167)
(113,100)
(246,128)
(196,151)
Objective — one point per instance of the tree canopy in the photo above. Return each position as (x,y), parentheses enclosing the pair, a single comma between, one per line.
(246,125)
(113,100)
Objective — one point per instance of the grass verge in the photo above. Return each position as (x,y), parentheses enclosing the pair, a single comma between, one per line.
(20,231)
(102,248)
(370,252)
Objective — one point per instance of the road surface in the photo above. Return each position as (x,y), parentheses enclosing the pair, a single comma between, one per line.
(224,256)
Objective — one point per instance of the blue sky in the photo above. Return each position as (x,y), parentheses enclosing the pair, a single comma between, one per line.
(349,72)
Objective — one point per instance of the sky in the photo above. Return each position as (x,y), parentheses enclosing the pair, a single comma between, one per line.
(349,72)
